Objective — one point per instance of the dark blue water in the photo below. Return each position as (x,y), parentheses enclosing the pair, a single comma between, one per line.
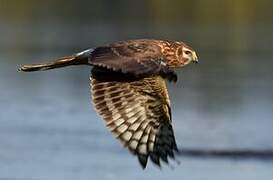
(49,129)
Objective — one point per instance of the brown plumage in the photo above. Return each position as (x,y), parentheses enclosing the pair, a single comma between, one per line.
(129,91)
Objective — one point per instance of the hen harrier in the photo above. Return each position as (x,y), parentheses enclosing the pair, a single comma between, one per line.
(129,91)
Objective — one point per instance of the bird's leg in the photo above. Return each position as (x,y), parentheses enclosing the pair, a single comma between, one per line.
(168,73)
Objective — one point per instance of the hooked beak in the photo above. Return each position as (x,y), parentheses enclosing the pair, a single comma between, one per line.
(194,58)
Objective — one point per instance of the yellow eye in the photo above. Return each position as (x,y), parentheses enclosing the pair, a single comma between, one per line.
(187,52)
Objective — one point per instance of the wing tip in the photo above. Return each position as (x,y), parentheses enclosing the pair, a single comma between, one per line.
(143,159)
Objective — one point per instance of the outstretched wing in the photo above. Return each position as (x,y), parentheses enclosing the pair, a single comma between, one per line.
(140,58)
(138,113)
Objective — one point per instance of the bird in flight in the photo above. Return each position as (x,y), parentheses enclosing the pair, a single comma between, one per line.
(128,87)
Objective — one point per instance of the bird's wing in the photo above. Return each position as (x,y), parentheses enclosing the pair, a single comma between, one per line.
(138,113)
(137,58)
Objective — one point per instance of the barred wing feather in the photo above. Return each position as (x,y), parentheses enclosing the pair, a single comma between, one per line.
(138,115)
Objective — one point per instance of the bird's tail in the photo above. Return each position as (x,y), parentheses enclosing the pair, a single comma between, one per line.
(81,58)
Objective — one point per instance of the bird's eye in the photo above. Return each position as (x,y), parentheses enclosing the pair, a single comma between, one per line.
(187,52)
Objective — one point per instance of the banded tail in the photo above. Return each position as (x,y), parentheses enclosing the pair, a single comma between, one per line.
(81,58)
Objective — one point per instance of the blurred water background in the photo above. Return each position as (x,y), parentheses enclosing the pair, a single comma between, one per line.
(49,130)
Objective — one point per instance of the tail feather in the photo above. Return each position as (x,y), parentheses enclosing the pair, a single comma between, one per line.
(81,58)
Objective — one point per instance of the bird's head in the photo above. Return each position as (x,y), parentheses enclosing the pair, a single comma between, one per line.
(185,54)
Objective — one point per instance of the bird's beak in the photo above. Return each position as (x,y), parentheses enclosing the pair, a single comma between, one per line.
(194,58)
